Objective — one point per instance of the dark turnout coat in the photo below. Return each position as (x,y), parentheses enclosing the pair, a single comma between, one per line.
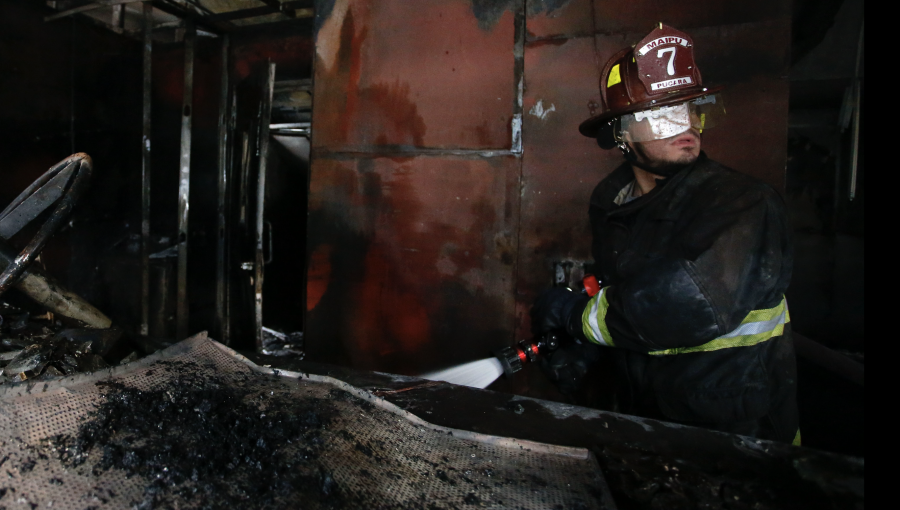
(687,265)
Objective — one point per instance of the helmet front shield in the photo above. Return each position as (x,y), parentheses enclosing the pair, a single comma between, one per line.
(667,121)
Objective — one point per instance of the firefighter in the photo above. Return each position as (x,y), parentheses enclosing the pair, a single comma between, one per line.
(693,260)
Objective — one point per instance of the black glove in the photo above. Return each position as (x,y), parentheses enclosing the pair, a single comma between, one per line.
(559,309)
(568,365)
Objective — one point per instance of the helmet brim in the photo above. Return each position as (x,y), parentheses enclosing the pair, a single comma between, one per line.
(599,126)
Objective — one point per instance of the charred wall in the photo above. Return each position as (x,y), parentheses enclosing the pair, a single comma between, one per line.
(431,230)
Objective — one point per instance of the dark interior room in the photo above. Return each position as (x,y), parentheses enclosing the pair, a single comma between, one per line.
(436,254)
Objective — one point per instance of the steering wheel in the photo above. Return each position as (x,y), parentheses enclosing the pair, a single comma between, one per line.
(63,183)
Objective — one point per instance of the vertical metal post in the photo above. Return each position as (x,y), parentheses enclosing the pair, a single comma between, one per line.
(184,185)
(118,16)
(72,91)
(161,274)
(857,114)
(145,170)
(229,232)
(519,76)
(221,250)
(244,198)
(259,263)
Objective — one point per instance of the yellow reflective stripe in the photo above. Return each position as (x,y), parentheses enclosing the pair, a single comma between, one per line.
(798,441)
(759,326)
(593,320)
(765,315)
(615,77)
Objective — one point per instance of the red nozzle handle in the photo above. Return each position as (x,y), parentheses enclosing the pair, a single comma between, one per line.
(591,285)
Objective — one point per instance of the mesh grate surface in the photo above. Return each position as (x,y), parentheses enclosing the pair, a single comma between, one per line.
(377,455)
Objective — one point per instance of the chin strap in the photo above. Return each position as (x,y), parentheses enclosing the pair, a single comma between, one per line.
(668,170)
(631,157)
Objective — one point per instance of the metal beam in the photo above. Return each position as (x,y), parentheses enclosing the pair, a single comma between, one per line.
(145,169)
(184,186)
(222,238)
(276,4)
(299,4)
(243,14)
(259,265)
(218,27)
(88,7)
(287,8)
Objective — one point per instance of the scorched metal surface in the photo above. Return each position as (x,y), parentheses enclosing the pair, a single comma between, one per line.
(405,278)
(198,426)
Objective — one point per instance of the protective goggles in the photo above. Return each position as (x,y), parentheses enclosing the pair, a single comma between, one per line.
(668,121)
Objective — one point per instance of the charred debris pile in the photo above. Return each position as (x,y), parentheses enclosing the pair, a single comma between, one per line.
(207,441)
(41,347)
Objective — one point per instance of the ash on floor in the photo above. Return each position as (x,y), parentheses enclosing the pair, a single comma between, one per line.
(199,429)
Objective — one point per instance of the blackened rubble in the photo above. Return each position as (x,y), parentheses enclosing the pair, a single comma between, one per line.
(40,347)
(208,441)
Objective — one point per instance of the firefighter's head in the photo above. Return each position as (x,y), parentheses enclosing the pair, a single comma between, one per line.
(655,106)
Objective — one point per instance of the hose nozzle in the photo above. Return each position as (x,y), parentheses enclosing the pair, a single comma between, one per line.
(513,359)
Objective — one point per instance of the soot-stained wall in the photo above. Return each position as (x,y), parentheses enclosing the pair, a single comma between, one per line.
(431,230)
(71,87)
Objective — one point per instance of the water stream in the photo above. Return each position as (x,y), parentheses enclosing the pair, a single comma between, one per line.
(475,374)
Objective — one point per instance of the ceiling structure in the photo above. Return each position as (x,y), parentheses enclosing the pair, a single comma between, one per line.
(212,17)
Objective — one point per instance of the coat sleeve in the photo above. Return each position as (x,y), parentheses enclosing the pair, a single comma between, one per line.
(732,256)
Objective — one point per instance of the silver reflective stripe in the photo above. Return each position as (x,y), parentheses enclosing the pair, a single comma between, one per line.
(752,331)
(595,325)
(755,328)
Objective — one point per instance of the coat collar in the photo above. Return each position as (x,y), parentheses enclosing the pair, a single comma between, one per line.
(605,194)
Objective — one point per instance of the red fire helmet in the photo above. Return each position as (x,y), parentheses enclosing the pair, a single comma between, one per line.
(658,71)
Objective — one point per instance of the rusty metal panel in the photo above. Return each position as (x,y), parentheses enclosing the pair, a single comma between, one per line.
(411,260)
(560,167)
(554,19)
(427,74)
(640,16)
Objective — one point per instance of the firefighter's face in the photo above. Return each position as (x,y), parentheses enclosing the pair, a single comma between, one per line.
(679,149)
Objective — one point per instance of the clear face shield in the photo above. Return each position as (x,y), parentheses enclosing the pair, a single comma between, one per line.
(668,121)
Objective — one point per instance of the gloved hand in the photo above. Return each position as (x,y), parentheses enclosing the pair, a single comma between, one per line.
(568,365)
(559,309)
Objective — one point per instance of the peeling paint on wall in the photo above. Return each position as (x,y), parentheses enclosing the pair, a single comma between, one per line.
(418,251)
(385,80)
(489,12)
(323,12)
(539,111)
(536,7)
(329,24)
